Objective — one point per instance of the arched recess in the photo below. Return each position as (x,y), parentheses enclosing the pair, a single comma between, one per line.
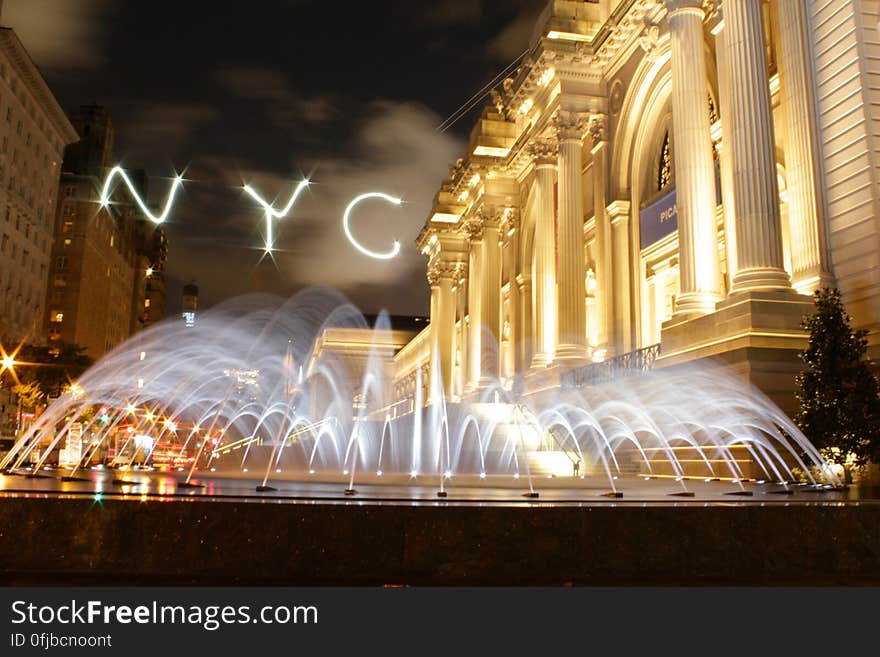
(644,120)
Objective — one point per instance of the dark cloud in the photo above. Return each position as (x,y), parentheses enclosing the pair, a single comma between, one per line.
(61,34)
(396,150)
(270,91)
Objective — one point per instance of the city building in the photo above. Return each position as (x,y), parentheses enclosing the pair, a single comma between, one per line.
(33,133)
(107,270)
(190,304)
(660,180)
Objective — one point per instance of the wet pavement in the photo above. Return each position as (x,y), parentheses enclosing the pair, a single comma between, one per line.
(464,489)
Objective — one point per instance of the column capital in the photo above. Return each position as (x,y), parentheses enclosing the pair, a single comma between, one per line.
(544,152)
(618,211)
(570,126)
(686,6)
(598,129)
(442,269)
(510,220)
(473,228)
(492,216)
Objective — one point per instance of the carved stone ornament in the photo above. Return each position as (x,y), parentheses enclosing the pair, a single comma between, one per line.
(544,151)
(570,125)
(598,129)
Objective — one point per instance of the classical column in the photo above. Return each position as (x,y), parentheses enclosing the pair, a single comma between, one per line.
(725,158)
(618,213)
(461,296)
(760,264)
(526,321)
(510,239)
(544,278)
(572,322)
(810,260)
(490,304)
(475,324)
(694,169)
(604,271)
(441,277)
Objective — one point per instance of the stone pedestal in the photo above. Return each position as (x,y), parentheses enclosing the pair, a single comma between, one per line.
(755,335)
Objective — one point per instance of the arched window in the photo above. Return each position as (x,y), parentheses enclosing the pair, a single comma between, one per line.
(664,170)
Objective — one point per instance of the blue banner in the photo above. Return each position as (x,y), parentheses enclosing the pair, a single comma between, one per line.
(658,220)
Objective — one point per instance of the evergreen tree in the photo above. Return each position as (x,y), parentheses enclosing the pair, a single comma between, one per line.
(839,395)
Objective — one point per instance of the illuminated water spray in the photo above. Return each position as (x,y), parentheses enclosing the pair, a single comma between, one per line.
(271,212)
(395,249)
(118,171)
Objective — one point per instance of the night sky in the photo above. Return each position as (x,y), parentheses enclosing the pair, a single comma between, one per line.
(267,91)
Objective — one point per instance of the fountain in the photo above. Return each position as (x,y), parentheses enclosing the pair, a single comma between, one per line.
(249,394)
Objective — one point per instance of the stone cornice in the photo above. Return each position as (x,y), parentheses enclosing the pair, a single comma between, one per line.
(36,85)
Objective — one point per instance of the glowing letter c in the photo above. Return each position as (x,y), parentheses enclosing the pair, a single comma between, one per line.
(345,224)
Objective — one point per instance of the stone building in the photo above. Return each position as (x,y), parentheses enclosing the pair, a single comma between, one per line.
(33,133)
(106,277)
(661,179)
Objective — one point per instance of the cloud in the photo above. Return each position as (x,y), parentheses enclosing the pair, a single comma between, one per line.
(515,37)
(396,150)
(164,126)
(59,34)
(452,12)
(282,104)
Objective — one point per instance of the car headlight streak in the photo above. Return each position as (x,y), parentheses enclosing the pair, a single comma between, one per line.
(119,172)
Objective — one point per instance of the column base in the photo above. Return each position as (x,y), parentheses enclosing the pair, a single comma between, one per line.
(809,284)
(571,352)
(540,361)
(761,279)
(756,335)
(696,303)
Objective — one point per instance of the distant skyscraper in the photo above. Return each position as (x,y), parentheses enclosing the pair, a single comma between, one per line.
(190,303)
(33,134)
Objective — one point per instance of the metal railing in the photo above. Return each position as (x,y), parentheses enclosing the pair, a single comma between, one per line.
(641,360)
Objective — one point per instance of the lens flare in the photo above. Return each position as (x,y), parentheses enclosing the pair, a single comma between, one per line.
(119,172)
(346,225)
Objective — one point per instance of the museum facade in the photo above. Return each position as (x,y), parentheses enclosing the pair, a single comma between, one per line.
(659,181)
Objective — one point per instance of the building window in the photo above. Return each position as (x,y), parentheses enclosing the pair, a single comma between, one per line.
(62,262)
(664,172)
